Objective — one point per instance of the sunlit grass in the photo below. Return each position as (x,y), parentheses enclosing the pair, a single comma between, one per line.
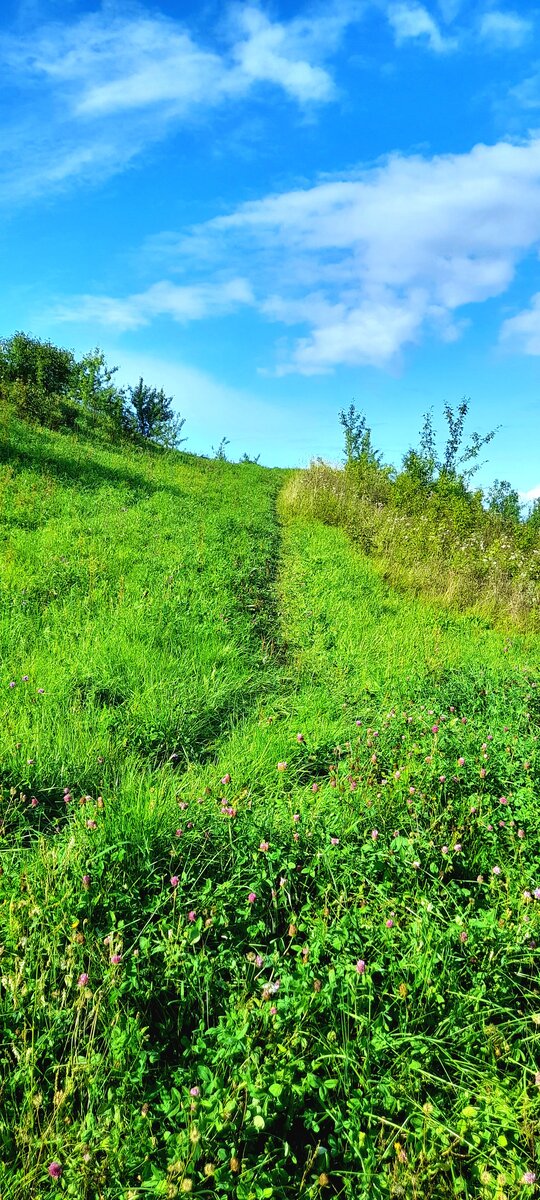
(270,887)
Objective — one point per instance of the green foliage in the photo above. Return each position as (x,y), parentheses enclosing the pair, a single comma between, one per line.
(219,451)
(154,417)
(103,404)
(37,379)
(426,466)
(503,499)
(270,842)
(358,444)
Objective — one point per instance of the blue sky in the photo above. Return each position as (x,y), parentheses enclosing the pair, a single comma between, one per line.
(273,209)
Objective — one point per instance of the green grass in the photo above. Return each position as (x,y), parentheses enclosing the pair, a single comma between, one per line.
(238,962)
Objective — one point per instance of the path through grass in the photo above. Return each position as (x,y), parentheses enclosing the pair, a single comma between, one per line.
(278,938)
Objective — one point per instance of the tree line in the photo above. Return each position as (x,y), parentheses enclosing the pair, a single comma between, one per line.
(45,383)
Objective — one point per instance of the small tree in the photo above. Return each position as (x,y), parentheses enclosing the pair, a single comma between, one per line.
(503,499)
(219,451)
(358,447)
(102,403)
(153,415)
(425,466)
(37,378)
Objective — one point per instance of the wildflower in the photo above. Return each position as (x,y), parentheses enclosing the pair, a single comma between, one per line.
(41,691)
(115,959)
(282,766)
(442,778)
(192,915)
(334,841)
(389,923)
(536,893)
(174,881)
(457,847)
(416,864)
(252,897)
(12,683)
(259,960)
(495,870)
(503,800)
(461,761)
(195,1091)
(34,802)
(182,804)
(537,1079)
(264,846)
(300,737)
(55,1170)
(434,728)
(83,979)
(225,778)
(444,849)
(374,834)
(483,772)
(91,824)
(360,966)
(178,833)
(528,1178)
(463,936)
(521,833)
(85,881)
(412,791)
(25,678)
(296,816)
(209,1169)
(314,787)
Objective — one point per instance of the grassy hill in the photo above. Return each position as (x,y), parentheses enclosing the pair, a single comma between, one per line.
(270,843)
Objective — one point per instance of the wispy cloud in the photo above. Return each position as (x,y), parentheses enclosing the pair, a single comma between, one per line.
(361,267)
(413,21)
(182,304)
(504,30)
(530,496)
(376,262)
(94,92)
(521,333)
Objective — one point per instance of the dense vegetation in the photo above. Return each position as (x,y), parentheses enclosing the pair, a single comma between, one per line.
(429,530)
(270,842)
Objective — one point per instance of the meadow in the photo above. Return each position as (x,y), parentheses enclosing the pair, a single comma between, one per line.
(270,845)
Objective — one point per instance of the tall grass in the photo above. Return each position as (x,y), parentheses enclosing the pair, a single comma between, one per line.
(440,545)
(278,937)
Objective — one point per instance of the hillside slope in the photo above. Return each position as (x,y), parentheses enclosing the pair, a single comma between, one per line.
(278,936)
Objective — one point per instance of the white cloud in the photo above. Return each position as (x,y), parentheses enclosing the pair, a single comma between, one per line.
(522,332)
(182,304)
(527,93)
(373,263)
(530,496)
(414,21)
(96,91)
(505,30)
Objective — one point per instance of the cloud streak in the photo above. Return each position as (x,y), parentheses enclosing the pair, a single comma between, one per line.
(359,268)
(376,262)
(93,93)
